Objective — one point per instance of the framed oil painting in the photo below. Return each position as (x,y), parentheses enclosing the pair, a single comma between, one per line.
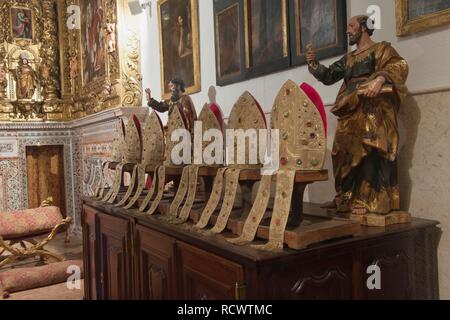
(22,23)
(93,44)
(266,36)
(228,26)
(179,44)
(320,23)
(415,16)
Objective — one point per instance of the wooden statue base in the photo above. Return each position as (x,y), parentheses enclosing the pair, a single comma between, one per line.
(375,220)
(310,231)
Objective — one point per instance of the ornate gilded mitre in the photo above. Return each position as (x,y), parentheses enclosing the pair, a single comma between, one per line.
(176,121)
(133,141)
(118,145)
(211,118)
(248,116)
(153,145)
(303,142)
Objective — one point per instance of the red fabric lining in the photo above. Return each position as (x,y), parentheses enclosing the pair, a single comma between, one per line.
(318,102)
(218,113)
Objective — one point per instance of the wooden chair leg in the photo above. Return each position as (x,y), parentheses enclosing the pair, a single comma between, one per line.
(47,254)
(8,260)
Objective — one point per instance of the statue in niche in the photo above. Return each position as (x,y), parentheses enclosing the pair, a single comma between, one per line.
(366,142)
(48,82)
(111,37)
(26,79)
(73,66)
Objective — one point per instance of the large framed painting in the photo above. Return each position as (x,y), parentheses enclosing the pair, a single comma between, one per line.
(22,23)
(319,23)
(415,16)
(228,26)
(179,44)
(93,44)
(266,36)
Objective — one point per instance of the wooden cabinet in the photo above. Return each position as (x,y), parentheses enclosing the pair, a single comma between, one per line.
(107,256)
(134,256)
(90,253)
(115,250)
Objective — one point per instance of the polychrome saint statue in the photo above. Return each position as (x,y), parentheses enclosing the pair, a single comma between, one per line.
(366,142)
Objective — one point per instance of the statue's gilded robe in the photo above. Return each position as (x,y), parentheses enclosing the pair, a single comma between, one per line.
(366,143)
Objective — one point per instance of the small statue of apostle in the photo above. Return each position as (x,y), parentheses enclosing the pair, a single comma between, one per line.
(178,99)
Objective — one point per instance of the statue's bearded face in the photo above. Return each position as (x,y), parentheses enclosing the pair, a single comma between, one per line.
(176,91)
(354,31)
(355,37)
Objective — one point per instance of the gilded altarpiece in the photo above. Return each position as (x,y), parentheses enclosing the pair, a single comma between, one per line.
(61,60)
(29,62)
(101,68)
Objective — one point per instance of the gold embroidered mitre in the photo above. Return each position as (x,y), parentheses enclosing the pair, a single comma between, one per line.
(175,122)
(133,141)
(303,143)
(153,141)
(248,116)
(118,145)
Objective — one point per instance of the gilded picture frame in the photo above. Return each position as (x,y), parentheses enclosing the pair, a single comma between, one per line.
(410,21)
(27,26)
(178,23)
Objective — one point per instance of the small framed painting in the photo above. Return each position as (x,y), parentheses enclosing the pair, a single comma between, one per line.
(321,24)
(230,50)
(266,36)
(22,27)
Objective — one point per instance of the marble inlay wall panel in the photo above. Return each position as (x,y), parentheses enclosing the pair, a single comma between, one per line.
(10,185)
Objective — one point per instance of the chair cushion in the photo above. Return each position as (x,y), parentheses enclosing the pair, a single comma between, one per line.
(22,279)
(31,222)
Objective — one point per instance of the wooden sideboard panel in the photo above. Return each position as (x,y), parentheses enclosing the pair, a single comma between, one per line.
(205,276)
(115,248)
(325,278)
(155,266)
(395,259)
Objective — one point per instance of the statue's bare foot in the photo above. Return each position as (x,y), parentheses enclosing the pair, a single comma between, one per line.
(329,205)
(360,211)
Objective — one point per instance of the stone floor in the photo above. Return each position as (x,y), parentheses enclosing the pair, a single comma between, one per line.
(71,251)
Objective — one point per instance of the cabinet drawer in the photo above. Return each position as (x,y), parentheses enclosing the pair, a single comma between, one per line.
(206,276)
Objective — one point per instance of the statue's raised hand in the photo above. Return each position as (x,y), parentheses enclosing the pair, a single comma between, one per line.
(148,94)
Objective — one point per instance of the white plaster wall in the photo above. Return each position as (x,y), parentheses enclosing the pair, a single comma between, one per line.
(427,53)
(424,119)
